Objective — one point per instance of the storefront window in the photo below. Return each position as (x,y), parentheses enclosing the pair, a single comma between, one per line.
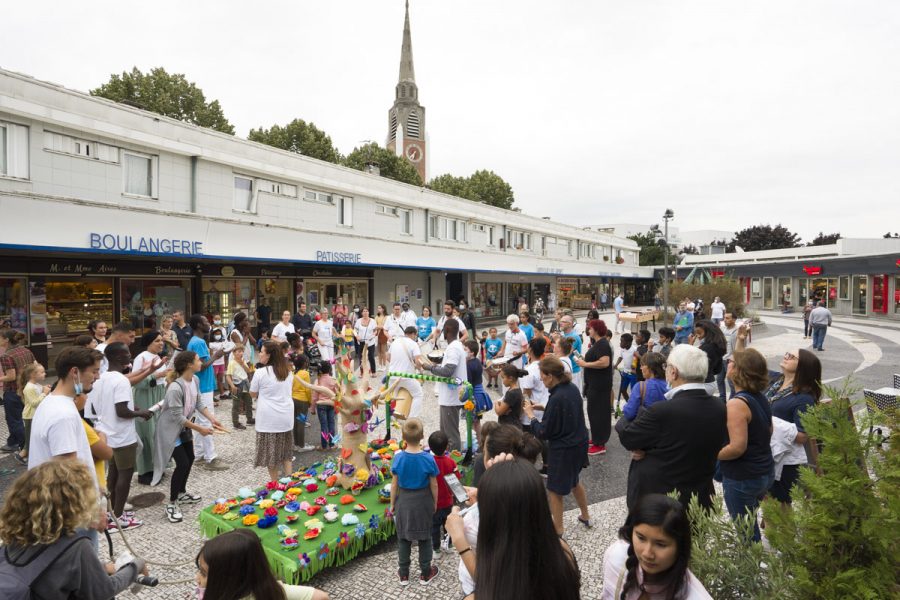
(72,304)
(146,301)
(784,291)
(844,287)
(566,288)
(823,290)
(541,290)
(324,293)
(879,294)
(485,299)
(227,297)
(14,304)
(516,293)
(278,291)
(860,284)
(897,295)
(768,296)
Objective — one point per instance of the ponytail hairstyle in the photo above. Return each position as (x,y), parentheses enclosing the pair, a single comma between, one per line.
(512,371)
(26,374)
(182,361)
(13,336)
(566,344)
(83,341)
(554,367)
(512,440)
(669,514)
(277,360)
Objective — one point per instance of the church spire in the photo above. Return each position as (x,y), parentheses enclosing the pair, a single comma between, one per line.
(407,72)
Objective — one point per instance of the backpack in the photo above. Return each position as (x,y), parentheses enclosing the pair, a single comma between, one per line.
(16,580)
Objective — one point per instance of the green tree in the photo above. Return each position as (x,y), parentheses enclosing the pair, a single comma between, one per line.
(483,186)
(823,240)
(764,237)
(169,95)
(300,137)
(651,252)
(391,165)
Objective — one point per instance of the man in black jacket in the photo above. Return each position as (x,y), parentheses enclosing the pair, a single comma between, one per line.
(301,319)
(675,444)
(468,317)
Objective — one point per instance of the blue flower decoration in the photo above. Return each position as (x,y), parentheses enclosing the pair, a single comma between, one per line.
(312,472)
(292,506)
(323,551)
(246,510)
(373,523)
(267,522)
(360,531)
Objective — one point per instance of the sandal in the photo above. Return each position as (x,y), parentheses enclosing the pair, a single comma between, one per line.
(21,460)
(586,522)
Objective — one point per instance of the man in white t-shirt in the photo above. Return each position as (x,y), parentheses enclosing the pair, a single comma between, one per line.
(323,331)
(718,311)
(404,356)
(452,366)
(437,334)
(407,317)
(116,413)
(57,431)
(515,343)
(121,332)
(393,324)
(283,328)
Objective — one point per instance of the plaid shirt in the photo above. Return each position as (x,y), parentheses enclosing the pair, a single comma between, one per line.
(15,358)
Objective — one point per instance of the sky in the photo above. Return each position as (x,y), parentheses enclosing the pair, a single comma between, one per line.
(596,112)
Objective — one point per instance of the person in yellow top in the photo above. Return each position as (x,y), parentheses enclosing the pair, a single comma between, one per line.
(100,451)
(32,394)
(301,397)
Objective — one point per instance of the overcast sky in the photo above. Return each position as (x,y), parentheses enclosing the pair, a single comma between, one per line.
(731,114)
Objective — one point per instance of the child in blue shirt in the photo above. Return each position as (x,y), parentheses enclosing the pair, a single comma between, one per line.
(414,494)
(492,346)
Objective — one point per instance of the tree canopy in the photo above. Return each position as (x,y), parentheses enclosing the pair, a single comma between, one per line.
(483,186)
(391,165)
(169,95)
(651,253)
(825,240)
(764,237)
(300,137)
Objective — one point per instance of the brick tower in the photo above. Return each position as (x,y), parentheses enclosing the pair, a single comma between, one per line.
(406,118)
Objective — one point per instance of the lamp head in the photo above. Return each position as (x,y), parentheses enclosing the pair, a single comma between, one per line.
(669,214)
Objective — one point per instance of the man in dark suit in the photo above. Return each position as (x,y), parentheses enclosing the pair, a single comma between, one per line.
(675,443)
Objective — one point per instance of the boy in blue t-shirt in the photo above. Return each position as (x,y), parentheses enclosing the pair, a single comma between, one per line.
(414,495)
(492,346)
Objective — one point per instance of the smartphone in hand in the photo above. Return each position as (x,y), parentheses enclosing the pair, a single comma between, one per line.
(456,488)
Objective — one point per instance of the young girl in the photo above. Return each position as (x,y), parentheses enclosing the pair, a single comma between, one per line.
(217,342)
(234,565)
(29,381)
(475,376)
(484,337)
(509,409)
(563,349)
(301,397)
(325,412)
(652,555)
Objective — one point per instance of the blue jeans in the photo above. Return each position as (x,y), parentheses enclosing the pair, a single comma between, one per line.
(680,340)
(716,320)
(742,495)
(819,335)
(720,380)
(326,421)
(13,407)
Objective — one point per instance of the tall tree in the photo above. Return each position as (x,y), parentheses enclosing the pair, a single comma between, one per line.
(651,253)
(825,240)
(169,95)
(300,137)
(483,186)
(888,235)
(764,237)
(391,165)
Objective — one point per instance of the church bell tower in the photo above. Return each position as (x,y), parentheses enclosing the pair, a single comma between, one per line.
(406,118)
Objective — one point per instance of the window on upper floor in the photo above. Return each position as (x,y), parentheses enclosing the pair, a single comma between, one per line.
(314,196)
(406,222)
(571,247)
(344,211)
(13,150)
(66,144)
(403,91)
(244,198)
(477,227)
(442,228)
(139,174)
(381,209)
(587,250)
(276,188)
(490,236)
(519,240)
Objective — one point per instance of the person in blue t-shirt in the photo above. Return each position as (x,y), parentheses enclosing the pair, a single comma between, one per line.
(684,323)
(425,324)
(492,346)
(206,448)
(526,326)
(619,305)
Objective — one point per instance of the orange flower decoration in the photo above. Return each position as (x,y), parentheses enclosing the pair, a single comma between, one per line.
(250,500)
(221,509)
(469,406)
(251,520)
(331,481)
(347,499)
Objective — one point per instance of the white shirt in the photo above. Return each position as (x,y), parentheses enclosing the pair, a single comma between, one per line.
(718,310)
(57,429)
(455,353)
(147,358)
(220,345)
(281,330)
(89,411)
(325,331)
(114,388)
(627,355)
(539,392)
(440,325)
(470,530)
(515,342)
(275,409)
(567,364)
(403,352)
(730,337)
(104,364)
(408,319)
(366,333)
(393,326)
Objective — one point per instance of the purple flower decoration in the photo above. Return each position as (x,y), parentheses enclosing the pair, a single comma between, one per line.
(303,560)
(372,481)
(246,510)
(329,473)
(348,469)
(262,493)
(267,522)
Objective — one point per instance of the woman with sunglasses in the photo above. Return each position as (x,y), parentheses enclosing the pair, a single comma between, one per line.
(790,394)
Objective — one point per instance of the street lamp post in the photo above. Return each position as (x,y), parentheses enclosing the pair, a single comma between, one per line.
(664,242)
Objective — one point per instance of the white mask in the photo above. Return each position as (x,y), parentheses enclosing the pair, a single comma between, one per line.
(462,306)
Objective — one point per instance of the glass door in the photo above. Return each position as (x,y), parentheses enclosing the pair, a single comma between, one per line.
(879,293)
(784,291)
(768,295)
(860,284)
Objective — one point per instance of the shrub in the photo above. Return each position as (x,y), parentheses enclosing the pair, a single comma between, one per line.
(727,289)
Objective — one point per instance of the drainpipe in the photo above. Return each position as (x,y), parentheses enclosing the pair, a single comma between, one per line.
(427,222)
(194,161)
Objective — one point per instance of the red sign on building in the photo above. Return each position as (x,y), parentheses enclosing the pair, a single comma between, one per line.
(813,270)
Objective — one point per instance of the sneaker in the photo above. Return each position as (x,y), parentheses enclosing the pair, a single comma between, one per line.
(126,523)
(597,450)
(306,448)
(544,471)
(128,507)
(437,553)
(251,421)
(217,464)
(9,448)
(404,579)
(187,498)
(238,426)
(427,577)
(173,513)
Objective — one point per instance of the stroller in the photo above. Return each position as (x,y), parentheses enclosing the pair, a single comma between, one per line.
(312,353)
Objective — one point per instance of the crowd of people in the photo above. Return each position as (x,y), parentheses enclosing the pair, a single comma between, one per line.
(110,417)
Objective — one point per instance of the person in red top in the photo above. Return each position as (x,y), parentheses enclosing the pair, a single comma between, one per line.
(12,362)
(437,443)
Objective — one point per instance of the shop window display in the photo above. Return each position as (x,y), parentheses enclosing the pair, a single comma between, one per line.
(227,297)
(13,304)
(145,301)
(485,299)
(73,304)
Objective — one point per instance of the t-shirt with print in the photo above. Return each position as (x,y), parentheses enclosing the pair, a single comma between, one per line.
(446,466)
(414,469)
(492,347)
(515,343)
(325,331)
(56,430)
(206,377)
(513,399)
(114,388)
(425,325)
(236,371)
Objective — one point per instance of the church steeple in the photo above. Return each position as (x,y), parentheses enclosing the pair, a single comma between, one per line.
(407,71)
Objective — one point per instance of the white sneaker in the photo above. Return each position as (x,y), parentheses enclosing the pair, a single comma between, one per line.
(173,513)
(188,498)
(129,508)
(126,523)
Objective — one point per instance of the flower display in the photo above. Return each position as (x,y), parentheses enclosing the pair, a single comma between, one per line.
(276,495)
(262,494)
(321,501)
(311,472)
(387,456)
(323,551)
(394,447)
(249,500)
(247,510)
(271,485)
(291,518)
(388,515)
(312,533)
(271,511)
(286,531)
(331,481)
(281,486)
(322,476)
(266,503)
(303,560)
(359,508)
(290,543)
(290,497)
(245,492)
(308,481)
(232,502)
(292,507)
(349,519)
(231,516)
(313,524)
(250,520)
(348,469)
(220,509)
(281,504)
(267,522)
(331,507)
(293,490)
(284,480)
(313,509)
(333,491)
(372,481)
(331,517)
(346,499)
(304,505)
(343,540)
(360,531)
(312,487)
(362,474)
(374,523)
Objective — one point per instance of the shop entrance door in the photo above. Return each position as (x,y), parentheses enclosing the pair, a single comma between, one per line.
(860,288)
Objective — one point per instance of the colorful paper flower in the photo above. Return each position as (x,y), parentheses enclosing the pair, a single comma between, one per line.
(271,485)
(372,481)
(247,510)
(304,505)
(349,519)
(287,532)
(321,501)
(331,517)
(293,490)
(362,474)
(360,531)
(374,523)
(313,509)
(276,495)
(281,504)
(351,427)
(312,487)
(289,543)
(348,469)
(232,502)
(313,524)
(331,481)
(251,520)
(284,480)
(308,481)
(388,515)
(271,511)
(303,560)
(346,499)
(343,540)
(262,494)
(267,522)
(323,551)
(387,456)
(281,486)
(245,492)
(323,476)
(312,533)
(359,508)
(290,497)
(249,500)
(312,472)
(292,507)
(469,406)
(266,503)
(394,447)
(291,518)
(231,516)
(220,509)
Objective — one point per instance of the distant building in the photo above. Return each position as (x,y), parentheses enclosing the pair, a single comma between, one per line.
(679,239)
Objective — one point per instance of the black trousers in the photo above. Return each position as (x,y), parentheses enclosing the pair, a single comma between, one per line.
(598,414)
(183,455)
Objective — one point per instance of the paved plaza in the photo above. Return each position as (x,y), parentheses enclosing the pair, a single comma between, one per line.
(866,348)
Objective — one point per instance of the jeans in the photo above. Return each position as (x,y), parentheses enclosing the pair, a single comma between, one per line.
(716,320)
(806,328)
(425,555)
(13,407)
(619,322)
(680,340)
(720,381)
(742,495)
(818,336)
(437,522)
(326,421)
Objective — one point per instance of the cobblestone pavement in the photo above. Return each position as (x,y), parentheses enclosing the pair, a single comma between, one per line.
(871,351)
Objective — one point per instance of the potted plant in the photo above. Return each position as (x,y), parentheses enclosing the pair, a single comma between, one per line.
(606,258)
(619,260)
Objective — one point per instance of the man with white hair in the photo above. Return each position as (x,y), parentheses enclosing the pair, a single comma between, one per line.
(515,344)
(682,436)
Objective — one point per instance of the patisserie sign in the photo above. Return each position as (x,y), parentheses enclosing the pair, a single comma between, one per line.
(126,243)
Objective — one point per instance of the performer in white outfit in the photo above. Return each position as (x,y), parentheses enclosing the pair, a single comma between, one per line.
(404,357)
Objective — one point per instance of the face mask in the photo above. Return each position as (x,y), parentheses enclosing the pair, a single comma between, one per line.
(217,322)
(462,307)
(217,337)
(356,310)
(79,388)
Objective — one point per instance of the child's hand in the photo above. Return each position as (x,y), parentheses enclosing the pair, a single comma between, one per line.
(234,390)
(46,389)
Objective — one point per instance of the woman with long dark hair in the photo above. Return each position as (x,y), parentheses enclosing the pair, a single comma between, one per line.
(652,555)
(272,386)
(99,330)
(598,384)
(520,554)
(233,566)
(712,342)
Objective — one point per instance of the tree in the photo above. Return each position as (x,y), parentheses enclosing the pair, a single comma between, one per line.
(300,137)
(888,235)
(483,186)
(825,240)
(764,237)
(391,165)
(651,253)
(690,249)
(169,95)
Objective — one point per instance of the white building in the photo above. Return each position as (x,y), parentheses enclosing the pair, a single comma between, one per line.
(114,213)
(679,239)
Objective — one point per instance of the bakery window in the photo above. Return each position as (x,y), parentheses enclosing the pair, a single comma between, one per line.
(71,305)
(146,301)
(14,304)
